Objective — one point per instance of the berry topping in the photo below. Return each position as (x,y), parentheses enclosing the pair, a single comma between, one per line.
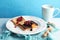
(27,23)
(19,18)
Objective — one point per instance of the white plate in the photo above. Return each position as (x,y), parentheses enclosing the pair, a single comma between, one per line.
(41,25)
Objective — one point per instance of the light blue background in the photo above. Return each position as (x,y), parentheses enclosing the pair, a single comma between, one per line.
(12,8)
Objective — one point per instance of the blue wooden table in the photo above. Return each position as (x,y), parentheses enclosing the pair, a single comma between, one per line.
(38,37)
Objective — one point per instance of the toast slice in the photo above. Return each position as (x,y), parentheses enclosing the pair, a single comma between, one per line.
(23,24)
(17,21)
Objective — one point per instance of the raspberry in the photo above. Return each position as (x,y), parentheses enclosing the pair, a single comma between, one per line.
(19,18)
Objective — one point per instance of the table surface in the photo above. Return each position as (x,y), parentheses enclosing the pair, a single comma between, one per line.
(54,20)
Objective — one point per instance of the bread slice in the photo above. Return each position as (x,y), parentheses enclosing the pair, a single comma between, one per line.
(14,22)
(34,25)
(20,22)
